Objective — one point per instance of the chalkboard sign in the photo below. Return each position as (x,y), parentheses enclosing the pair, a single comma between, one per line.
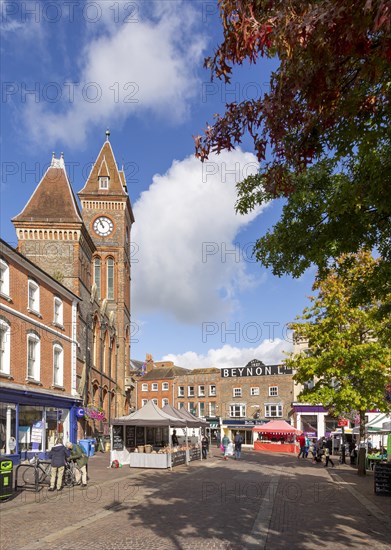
(130,437)
(178,458)
(118,442)
(140,435)
(194,454)
(382,478)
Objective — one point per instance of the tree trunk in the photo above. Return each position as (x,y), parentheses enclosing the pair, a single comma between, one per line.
(361,470)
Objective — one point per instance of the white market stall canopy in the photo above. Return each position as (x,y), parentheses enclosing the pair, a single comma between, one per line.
(149,415)
(172,411)
(193,420)
(375,425)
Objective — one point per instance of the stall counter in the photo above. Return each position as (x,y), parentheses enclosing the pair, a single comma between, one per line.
(149,460)
(275,447)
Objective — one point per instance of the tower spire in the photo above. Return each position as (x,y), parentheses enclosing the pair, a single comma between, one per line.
(107,134)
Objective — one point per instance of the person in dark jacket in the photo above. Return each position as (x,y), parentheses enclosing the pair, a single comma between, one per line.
(238,445)
(58,456)
(174,439)
(205,446)
(77,455)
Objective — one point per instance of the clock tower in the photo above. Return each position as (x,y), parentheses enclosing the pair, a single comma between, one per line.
(107,214)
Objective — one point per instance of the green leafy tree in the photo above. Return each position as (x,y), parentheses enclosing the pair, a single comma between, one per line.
(350,367)
(322,133)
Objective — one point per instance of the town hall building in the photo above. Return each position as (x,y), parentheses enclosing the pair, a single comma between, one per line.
(65,300)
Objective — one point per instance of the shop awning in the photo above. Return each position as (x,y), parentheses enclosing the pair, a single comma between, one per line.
(213,424)
(368,430)
(277,427)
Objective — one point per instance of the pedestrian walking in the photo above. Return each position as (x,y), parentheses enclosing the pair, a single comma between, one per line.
(312,450)
(205,446)
(353,453)
(58,455)
(307,446)
(301,442)
(225,442)
(238,440)
(81,460)
(328,457)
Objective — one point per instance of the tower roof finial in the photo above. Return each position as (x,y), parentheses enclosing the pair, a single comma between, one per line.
(107,134)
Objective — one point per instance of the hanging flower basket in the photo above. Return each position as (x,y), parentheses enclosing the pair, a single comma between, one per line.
(94,413)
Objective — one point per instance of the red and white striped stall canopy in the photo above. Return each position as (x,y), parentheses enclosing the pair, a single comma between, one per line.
(276,427)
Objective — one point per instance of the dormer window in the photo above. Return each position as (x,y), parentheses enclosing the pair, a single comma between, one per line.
(103,182)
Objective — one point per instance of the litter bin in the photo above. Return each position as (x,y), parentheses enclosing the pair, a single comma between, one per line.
(85,444)
(6,477)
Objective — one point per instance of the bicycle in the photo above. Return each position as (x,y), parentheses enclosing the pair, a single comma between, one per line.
(35,473)
(69,479)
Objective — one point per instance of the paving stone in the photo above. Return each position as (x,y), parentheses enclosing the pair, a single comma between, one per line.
(262,501)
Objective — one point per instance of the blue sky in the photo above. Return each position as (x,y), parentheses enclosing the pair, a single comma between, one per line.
(72,69)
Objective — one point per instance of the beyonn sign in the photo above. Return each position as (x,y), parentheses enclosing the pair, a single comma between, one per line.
(254,368)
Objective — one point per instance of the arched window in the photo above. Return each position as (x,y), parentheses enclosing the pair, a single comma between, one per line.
(5,347)
(96,348)
(97,276)
(110,279)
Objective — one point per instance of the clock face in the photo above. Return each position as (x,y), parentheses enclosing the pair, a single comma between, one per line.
(103,226)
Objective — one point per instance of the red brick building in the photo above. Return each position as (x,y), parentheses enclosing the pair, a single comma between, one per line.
(87,249)
(37,354)
(157,382)
(254,394)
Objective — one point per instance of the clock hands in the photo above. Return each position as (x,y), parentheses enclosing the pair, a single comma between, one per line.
(103,226)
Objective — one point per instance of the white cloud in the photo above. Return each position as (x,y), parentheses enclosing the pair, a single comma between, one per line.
(130,69)
(184,238)
(269,352)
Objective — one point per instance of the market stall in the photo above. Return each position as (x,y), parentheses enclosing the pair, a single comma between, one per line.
(142,439)
(276,436)
(189,436)
(195,423)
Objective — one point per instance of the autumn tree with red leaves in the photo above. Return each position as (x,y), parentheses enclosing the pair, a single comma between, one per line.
(322,134)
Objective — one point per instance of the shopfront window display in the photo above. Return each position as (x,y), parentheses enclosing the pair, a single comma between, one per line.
(39,427)
(7,428)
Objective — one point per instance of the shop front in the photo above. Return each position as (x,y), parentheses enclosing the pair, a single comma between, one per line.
(314,420)
(244,427)
(30,422)
(213,431)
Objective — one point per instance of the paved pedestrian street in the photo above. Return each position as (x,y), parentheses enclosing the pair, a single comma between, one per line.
(261,501)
